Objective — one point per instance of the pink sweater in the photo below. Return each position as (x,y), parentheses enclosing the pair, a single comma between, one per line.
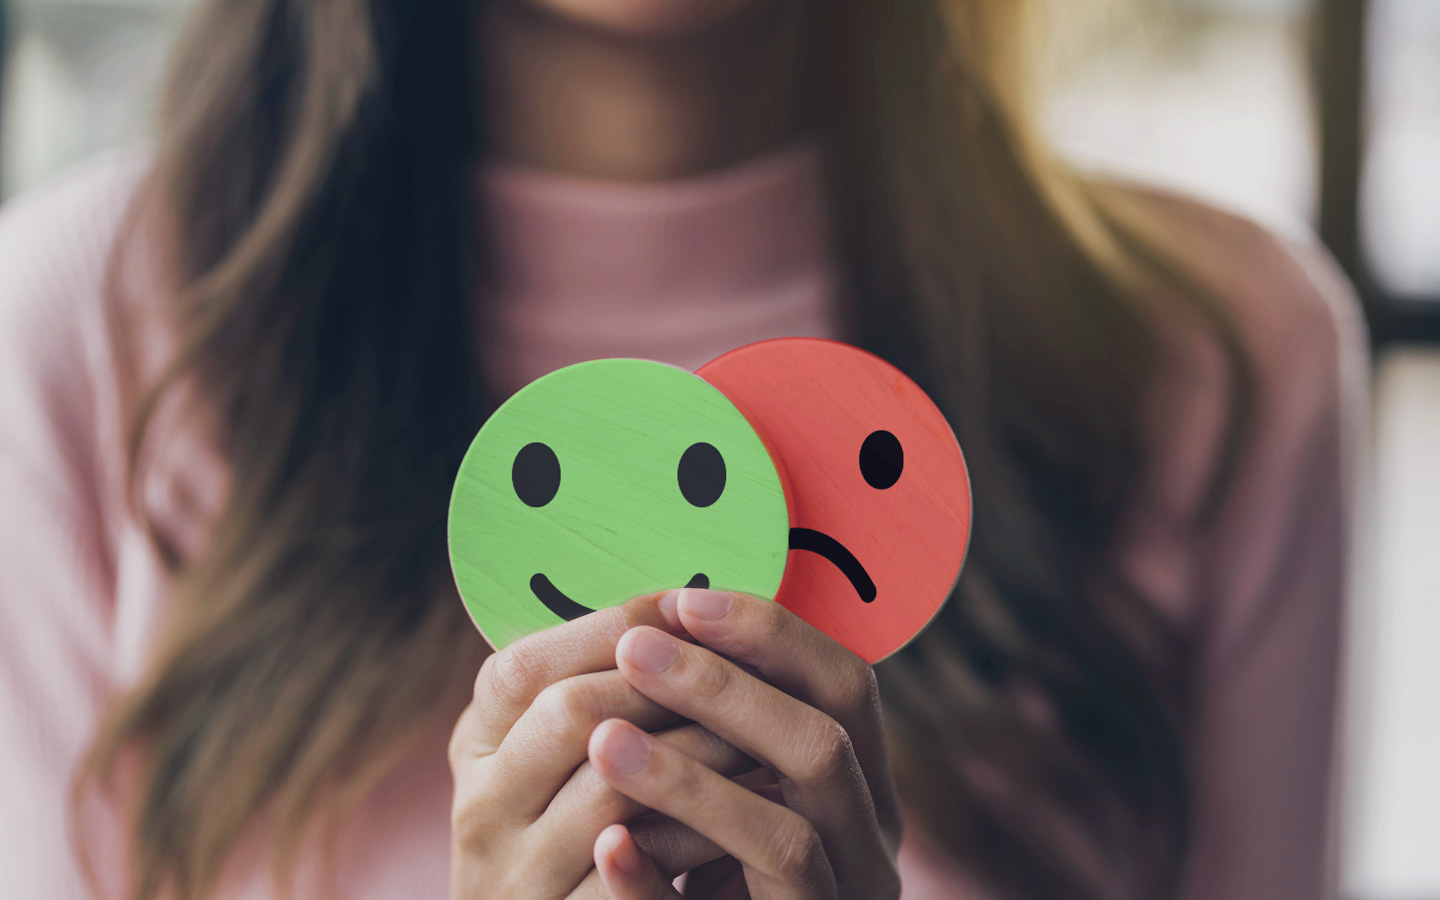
(677,272)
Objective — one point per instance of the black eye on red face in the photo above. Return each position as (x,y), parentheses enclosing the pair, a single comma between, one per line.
(882,459)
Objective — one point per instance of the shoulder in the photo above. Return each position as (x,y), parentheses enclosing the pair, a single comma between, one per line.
(1266,581)
(56,247)
(1285,295)
(56,239)
(1300,336)
(79,210)
(56,379)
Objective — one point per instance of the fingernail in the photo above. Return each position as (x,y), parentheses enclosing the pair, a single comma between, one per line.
(625,751)
(626,855)
(707,604)
(669,608)
(651,651)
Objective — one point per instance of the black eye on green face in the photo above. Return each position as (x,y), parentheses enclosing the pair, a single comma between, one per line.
(701,474)
(535,474)
(882,459)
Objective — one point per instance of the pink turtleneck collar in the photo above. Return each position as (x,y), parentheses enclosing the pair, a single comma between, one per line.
(678,271)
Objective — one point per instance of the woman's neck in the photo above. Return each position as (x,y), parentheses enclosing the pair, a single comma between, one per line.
(597,105)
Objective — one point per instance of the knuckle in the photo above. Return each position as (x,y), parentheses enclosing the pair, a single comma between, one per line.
(702,745)
(681,780)
(710,678)
(830,755)
(675,848)
(483,679)
(689,791)
(515,676)
(455,749)
(761,622)
(866,689)
(862,691)
(564,705)
(797,851)
(591,792)
(470,824)
(613,621)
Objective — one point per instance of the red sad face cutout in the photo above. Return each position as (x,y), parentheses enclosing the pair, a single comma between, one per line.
(879,494)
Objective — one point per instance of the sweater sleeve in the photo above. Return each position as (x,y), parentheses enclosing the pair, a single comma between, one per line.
(56,590)
(1271,587)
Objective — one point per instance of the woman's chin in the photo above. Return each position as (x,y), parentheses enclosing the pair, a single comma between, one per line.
(646,19)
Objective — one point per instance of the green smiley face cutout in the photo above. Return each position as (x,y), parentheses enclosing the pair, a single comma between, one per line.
(606,480)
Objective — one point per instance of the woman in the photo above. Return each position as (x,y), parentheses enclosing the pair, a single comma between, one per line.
(239,376)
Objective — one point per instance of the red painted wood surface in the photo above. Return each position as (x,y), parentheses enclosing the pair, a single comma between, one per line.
(815,403)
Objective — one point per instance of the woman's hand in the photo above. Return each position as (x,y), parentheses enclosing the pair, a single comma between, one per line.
(527,807)
(814,720)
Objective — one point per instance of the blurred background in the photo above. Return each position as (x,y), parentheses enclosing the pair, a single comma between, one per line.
(1320,114)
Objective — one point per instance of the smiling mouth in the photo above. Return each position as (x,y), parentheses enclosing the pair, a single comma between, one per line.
(823,544)
(561,605)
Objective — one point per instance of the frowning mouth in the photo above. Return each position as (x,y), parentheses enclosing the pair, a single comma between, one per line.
(823,544)
(561,605)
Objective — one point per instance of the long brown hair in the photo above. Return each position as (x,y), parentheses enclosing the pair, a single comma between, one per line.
(314,167)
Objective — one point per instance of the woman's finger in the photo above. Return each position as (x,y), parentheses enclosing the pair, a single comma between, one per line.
(800,660)
(548,741)
(510,679)
(779,846)
(509,791)
(674,847)
(627,873)
(723,878)
(821,776)
(586,805)
(587,801)
(655,835)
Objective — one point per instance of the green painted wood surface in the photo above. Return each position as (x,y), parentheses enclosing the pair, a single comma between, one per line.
(619,525)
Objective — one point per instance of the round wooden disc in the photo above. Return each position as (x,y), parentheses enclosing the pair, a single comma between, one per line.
(604,481)
(879,493)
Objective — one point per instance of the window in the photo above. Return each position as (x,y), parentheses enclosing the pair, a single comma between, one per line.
(1400,176)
